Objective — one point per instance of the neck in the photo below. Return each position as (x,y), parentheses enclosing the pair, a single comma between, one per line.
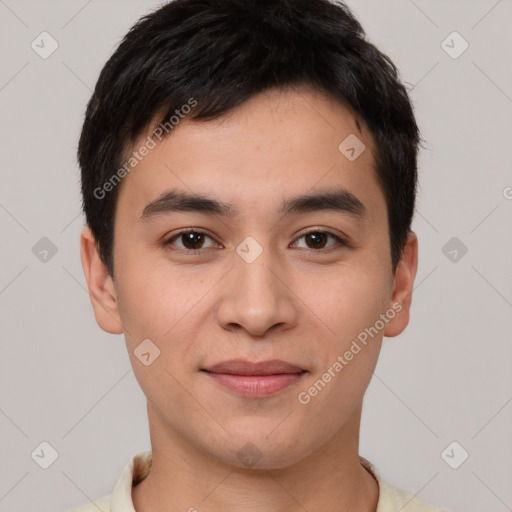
(184,478)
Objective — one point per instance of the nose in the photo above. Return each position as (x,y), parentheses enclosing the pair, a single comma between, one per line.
(257,296)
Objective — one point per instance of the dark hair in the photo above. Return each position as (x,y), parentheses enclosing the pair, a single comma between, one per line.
(221,53)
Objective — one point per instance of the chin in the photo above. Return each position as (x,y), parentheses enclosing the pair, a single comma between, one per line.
(256,449)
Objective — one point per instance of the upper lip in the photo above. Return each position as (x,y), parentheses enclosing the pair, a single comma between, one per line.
(243,367)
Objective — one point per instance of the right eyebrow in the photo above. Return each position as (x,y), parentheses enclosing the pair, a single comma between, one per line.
(176,201)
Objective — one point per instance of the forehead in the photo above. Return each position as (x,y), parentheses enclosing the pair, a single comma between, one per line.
(280,143)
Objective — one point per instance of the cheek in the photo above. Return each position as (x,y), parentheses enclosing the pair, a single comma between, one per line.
(348,300)
(353,308)
(169,305)
(350,306)
(149,296)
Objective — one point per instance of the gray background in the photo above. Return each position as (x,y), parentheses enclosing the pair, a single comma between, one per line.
(447,378)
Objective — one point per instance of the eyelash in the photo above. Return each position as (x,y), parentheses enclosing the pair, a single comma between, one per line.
(196,252)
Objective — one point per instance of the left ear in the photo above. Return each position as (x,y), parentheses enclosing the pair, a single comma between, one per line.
(403,286)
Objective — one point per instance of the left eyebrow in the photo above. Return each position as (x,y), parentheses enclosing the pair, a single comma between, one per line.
(339,200)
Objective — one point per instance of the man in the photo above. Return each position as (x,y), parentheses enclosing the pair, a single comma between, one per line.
(249,180)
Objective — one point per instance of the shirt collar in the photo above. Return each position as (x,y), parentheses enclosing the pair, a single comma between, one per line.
(134,472)
(140,465)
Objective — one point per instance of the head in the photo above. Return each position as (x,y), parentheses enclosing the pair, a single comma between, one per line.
(284,143)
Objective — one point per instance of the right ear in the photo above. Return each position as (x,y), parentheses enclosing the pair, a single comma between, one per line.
(101,287)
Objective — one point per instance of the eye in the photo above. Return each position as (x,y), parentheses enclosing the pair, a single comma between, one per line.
(318,240)
(192,240)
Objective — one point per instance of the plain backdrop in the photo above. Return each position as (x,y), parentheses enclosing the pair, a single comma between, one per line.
(446,379)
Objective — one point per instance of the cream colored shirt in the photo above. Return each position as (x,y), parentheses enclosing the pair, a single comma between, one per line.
(391,499)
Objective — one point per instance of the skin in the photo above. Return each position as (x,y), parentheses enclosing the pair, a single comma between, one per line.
(295,302)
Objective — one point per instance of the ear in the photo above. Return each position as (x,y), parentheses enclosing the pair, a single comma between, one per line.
(403,286)
(101,287)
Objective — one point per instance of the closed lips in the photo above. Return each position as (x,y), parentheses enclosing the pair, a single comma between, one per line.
(248,368)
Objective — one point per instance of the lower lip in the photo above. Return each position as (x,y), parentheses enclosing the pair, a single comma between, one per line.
(256,386)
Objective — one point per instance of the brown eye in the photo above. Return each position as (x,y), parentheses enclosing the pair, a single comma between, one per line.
(316,240)
(191,240)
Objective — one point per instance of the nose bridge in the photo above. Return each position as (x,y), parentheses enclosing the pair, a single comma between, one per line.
(253,269)
(254,297)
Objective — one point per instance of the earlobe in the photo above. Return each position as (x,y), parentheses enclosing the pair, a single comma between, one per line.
(402,287)
(101,287)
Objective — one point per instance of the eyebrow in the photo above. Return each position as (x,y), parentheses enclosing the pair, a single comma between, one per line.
(339,200)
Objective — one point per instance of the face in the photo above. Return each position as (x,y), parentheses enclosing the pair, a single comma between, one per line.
(253,270)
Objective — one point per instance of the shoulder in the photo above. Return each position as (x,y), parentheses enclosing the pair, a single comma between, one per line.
(99,505)
(394,499)
(407,502)
(120,500)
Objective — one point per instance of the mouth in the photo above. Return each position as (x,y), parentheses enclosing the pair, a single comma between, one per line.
(255,380)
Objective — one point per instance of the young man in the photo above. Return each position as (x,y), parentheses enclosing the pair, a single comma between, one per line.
(249,179)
